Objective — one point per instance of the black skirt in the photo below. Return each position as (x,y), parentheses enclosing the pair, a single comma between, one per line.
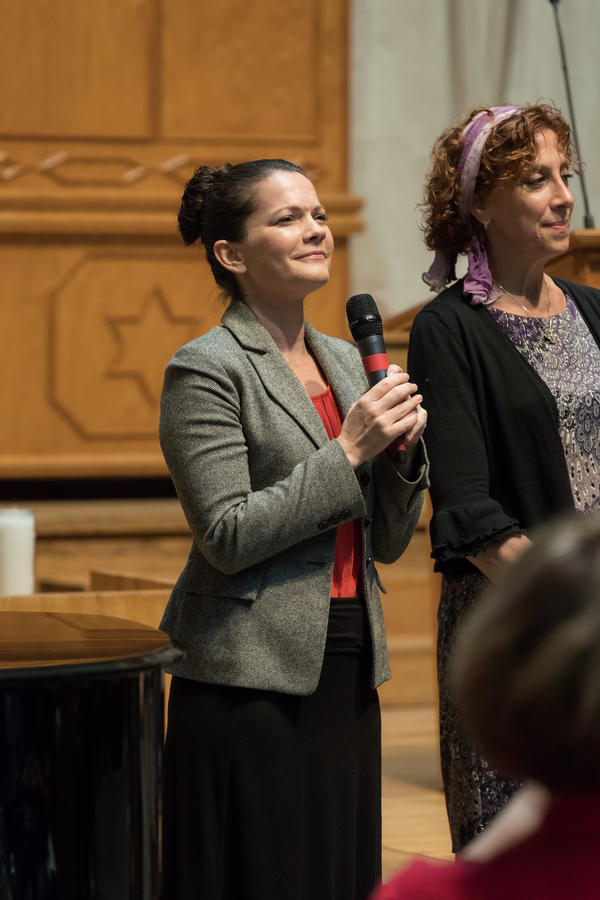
(269,796)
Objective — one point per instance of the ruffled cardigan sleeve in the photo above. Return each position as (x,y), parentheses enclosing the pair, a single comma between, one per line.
(497,463)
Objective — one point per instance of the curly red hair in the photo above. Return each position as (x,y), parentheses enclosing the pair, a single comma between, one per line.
(509,154)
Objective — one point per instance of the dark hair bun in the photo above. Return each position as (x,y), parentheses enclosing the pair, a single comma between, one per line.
(202,182)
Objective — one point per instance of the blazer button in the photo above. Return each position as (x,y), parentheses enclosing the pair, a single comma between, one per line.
(368,521)
(368,560)
(323,525)
(333,520)
(364,479)
(345,514)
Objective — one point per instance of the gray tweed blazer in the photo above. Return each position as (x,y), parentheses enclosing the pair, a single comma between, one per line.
(263,489)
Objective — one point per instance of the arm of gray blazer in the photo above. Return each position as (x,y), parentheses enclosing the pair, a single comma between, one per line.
(398,505)
(206,451)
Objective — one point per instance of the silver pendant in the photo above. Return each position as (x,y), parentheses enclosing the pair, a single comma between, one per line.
(550,337)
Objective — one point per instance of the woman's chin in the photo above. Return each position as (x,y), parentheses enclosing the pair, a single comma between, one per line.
(554,245)
(560,246)
(318,283)
(310,281)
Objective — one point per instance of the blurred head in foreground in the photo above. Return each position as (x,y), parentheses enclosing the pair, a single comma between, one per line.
(528,665)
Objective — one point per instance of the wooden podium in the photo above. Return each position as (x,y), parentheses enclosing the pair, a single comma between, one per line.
(581,262)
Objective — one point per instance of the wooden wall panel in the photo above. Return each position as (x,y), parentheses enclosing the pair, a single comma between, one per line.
(110,106)
(72,68)
(239,71)
(116,319)
(85,348)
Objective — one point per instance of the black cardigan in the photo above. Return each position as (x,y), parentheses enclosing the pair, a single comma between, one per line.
(497,462)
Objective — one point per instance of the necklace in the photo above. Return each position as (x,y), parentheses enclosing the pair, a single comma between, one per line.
(547,327)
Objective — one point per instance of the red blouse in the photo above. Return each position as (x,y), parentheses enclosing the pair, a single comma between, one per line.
(346,581)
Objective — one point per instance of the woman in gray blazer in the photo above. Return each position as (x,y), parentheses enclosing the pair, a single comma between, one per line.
(272,759)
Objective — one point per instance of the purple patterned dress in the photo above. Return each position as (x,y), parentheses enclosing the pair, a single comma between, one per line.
(565,355)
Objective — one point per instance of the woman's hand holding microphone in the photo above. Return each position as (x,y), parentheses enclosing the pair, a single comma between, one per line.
(387,411)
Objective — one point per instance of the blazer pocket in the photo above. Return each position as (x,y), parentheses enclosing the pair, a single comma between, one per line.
(199,577)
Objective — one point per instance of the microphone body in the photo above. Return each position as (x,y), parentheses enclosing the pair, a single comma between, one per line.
(374,358)
(366,328)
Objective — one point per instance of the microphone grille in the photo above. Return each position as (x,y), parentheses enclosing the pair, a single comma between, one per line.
(363,316)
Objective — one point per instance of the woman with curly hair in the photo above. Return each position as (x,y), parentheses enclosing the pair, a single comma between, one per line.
(508,363)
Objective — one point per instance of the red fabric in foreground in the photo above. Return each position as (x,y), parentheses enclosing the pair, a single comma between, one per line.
(561,861)
(348,544)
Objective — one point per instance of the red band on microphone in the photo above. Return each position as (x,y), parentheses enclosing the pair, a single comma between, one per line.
(376,362)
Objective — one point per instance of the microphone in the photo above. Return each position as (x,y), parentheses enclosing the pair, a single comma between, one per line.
(366,327)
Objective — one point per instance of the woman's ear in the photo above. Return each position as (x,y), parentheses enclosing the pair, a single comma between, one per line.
(480,212)
(229,257)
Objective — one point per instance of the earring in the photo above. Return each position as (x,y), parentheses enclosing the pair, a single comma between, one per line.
(486,223)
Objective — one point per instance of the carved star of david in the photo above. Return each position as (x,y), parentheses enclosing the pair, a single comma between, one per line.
(147,341)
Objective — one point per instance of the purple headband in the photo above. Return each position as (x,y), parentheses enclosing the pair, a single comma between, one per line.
(478,280)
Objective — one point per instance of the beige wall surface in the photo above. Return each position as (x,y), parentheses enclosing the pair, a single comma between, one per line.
(417,65)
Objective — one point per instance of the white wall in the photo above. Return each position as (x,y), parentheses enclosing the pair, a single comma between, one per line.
(418,65)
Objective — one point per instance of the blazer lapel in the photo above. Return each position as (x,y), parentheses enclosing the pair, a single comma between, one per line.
(277,377)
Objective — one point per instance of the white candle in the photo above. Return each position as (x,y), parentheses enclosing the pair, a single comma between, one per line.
(17,545)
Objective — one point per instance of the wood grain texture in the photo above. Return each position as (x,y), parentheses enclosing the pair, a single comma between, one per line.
(143,607)
(99,324)
(581,262)
(65,563)
(100,518)
(64,64)
(31,639)
(97,213)
(242,71)
(106,580)
(108,108)
(415,823)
